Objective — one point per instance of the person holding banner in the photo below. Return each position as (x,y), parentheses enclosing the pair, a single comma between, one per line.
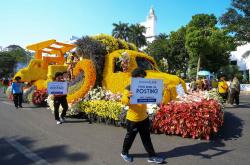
(60,99)
(137,121)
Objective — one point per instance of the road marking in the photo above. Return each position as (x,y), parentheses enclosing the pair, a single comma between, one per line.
(5,102)
(26,152)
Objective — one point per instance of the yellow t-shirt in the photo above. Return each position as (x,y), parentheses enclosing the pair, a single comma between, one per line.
(136,112)
(222,87)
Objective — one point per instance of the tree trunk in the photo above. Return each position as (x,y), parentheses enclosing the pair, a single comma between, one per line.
(198,67)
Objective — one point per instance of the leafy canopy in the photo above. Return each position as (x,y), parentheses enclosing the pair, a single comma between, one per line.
(237,20)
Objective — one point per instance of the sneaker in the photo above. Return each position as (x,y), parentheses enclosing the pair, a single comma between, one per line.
(58,122)
(157,160)
(62,119)
(20,106)
(127,157)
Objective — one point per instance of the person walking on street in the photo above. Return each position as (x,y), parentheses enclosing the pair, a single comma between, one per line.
(17,91)
(137,121)
(60,99)
(235,91)
(223,88)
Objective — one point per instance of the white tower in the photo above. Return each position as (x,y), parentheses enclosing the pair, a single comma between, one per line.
(150,26)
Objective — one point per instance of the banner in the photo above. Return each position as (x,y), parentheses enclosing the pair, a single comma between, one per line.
(146,91)
(57,88)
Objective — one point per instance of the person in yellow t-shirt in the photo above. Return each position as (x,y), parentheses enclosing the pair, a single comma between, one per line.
(223,88)
(137,121)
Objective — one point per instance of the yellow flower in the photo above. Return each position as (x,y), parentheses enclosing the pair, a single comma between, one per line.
(88,68)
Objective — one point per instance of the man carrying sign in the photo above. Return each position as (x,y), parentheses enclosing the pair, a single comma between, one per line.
(137,121)
(60,99)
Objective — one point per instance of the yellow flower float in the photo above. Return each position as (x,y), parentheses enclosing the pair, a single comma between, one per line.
(116,74)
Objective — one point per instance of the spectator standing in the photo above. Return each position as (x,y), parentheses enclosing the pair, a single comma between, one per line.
(235,91)
(223,88)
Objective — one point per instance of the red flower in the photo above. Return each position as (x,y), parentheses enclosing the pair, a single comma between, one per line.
(196,119)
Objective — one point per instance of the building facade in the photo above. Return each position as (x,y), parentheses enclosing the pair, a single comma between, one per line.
(150,25)
(241,58)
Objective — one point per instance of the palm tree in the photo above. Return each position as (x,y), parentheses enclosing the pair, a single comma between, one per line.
(162,36)
(121,30)
(136,35)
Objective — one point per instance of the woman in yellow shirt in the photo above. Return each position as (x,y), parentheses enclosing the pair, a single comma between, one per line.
(137,121)
(223,88)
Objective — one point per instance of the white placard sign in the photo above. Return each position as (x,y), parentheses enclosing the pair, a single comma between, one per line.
(146,91)
(58,88)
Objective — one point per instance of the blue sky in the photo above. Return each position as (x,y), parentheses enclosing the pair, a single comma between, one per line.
(24,22)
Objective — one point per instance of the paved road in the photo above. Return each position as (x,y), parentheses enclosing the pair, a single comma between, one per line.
(31,136)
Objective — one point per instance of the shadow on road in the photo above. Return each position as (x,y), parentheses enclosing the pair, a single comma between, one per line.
(76,121)
(199,149)
(206,150)
(231,129)
(52,154)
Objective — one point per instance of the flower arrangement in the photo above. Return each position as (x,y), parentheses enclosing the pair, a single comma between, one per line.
(88,68)
(101,93)
(39,97)
(190,116)
(213,94)
(122,44)
(26,93)
(101,105)
(30,96)
(132,46)
(108,41)
(72,110)
(200,95)
(102,109)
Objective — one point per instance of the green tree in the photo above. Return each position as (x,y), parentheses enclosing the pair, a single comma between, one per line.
(179,54)
(133,33)
(160,49)
(237,20)
(170,51)
(9,59)
(121,30)
(136,35)
(207,45)
(7,63)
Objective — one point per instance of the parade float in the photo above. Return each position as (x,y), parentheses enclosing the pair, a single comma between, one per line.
(102,73)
